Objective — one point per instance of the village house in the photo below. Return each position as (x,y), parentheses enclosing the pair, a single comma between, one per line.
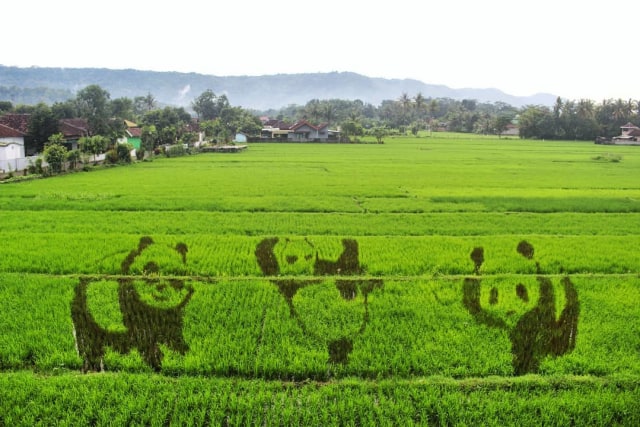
(132,135)
(301,131)
(72,130)
(13,130)
(11,148)
(629,135)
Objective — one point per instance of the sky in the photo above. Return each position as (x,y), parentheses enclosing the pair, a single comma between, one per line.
(572,49)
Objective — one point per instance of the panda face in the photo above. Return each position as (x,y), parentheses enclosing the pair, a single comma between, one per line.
(154,262)
(295,256)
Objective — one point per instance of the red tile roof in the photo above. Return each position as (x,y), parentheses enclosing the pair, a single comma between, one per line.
(135,132)
(8,132)
(301,123)
(19,122)
(74,128)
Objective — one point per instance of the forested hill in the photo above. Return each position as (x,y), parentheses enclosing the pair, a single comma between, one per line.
(36,84)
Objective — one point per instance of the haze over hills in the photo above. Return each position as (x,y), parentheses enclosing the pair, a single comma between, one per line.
(39,84)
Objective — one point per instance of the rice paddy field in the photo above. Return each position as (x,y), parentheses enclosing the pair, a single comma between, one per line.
(445,280)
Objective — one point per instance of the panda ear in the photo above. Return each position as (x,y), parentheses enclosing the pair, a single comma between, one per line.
(266,258)
(309,242)
(145,241)
(182,249)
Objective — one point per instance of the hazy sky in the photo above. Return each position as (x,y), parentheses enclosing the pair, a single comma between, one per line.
(573,49)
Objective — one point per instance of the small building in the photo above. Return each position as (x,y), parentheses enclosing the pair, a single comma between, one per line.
(132,135)
(629,135)
(240,137)
(275,130)
(11,148)
(511,130)
(304,131)
(72,130)
(301,131)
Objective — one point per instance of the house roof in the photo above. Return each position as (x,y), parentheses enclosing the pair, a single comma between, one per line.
(130,124)
(135,132)
(74,128)
(8,132)
(630,125)
(274,123)
(19,122)
(634,132)
(302,123)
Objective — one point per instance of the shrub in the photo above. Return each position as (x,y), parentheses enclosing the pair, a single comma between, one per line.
(124,152)
(175,151)
(111,157)
(55,154)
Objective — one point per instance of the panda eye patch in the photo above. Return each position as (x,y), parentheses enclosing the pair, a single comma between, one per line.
(291,259)
(151,267)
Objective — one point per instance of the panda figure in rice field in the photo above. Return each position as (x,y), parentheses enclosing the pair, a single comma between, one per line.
(151,307)
(295,268)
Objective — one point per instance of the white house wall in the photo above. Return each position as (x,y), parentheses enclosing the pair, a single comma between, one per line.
(11,148)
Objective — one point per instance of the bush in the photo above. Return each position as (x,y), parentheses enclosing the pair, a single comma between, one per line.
(175,151)
(73,157)
(111,157)
(124,152)
(55,154)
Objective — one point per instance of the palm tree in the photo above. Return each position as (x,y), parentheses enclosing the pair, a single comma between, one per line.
(431,109)
(419,104)
(620,110)
(150,102)
(313,109)
(328,112)
(405,102)
(585,109)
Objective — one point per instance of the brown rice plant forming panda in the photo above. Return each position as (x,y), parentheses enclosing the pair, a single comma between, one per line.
(278,257)
(146,326)
(536,334)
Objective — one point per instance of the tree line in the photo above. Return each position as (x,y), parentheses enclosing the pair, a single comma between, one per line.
(565,120)
(219,120)
(105,117)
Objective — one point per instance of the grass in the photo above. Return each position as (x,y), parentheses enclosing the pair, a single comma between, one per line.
(416,207)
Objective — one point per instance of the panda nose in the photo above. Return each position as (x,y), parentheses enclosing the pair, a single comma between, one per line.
(291,259)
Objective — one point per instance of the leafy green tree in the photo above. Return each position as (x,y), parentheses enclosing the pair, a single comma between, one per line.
(148,138)
(351,130)
(144,104)
(379,132)
(536,122)
(65,110)
(208,106)
(500,123)
(93,145)
(122,108)
(55,153)
(168,135)
(42,125)
(5,106)
(93,104)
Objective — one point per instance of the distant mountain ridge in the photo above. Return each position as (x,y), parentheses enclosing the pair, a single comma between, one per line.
(252,92)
